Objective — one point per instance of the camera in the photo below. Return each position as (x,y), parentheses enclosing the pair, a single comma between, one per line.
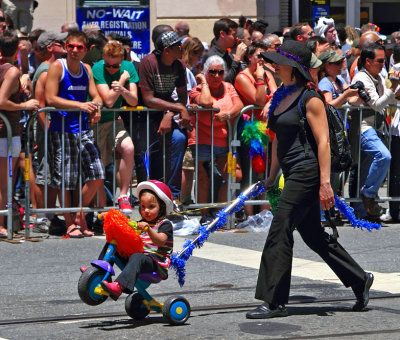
(361,91)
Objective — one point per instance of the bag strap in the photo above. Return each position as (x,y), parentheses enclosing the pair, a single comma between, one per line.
(303,132)
(332,225)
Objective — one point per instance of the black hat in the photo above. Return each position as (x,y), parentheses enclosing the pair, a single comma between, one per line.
(292,53)
(167,39)
(389,43)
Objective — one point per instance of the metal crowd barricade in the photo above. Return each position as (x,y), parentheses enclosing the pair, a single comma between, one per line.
(80,208)
(9,210)
(233,145)
(348,108)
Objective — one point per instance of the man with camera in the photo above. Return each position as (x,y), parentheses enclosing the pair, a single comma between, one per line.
(370,126)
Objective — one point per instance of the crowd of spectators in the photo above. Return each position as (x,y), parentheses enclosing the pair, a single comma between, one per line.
(86,70)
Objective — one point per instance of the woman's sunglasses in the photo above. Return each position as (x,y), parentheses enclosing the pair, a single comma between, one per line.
(116,66)
(71,47)
(215,72)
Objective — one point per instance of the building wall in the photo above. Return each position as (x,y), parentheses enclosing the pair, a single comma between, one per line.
(52,14)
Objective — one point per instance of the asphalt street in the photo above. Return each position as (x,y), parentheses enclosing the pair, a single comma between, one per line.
(39,280)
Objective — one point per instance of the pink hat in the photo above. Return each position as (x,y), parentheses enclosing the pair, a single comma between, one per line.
(160,189)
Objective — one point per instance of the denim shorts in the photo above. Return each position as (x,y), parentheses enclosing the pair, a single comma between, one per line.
(205,152)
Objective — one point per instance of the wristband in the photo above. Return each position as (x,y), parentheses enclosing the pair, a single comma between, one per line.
(261,83)
(204,85)
(229,115)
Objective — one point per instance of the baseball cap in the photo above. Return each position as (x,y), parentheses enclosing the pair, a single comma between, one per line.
(167,39)
(48,37)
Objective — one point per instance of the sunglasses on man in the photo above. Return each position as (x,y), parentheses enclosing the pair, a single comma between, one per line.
(71,47)
(114,66)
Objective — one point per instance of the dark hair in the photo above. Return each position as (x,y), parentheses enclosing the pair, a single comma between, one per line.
(157,30)
(261,25)
(96,38)
(78,35)
(34,35)
(368,52)
(312,42)
(341,32)
(225,25)
(396,53)
(251,49)
(297,29)
(9,43)
(163,208)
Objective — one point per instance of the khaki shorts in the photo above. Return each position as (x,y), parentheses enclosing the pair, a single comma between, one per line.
(188,161)
(105,141)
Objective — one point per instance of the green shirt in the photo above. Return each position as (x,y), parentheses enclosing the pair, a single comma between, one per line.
(102,76)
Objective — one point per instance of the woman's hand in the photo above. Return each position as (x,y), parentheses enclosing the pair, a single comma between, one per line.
(259,75)
(200,78)
(326,196)
(222,116)
(269,183)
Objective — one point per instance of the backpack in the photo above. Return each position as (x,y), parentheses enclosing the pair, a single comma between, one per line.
(340,147)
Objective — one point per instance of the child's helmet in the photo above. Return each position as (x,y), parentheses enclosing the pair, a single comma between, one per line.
(160,189)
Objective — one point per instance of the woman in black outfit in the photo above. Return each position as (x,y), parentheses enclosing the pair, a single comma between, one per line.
(307,184)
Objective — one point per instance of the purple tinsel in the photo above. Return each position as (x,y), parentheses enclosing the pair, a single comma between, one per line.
(355,222)
(279,94)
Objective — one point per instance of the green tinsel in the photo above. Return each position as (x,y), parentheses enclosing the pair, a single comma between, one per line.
(273,197)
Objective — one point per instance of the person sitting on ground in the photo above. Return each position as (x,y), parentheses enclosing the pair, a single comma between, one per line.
(155,203)
(116,80)
(69,82)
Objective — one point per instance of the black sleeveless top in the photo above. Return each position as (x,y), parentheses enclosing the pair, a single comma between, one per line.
(291,151)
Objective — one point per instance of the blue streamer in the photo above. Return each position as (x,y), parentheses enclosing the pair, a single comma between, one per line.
(178,262)
(348,212)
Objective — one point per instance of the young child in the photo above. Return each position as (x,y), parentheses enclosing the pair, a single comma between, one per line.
(157,235)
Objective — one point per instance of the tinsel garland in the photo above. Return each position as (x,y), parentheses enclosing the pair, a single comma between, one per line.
(348,212)
(279,95)
(178,260)
(273,197)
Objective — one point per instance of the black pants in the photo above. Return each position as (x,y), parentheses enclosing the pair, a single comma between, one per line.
(138,263)
(394,181)
(299,208)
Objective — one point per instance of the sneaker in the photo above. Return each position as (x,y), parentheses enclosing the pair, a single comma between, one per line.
(113,288)
(386,216)
(41,225)
(372,208)
(124,205)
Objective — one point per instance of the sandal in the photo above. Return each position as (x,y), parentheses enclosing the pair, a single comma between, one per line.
(76,235)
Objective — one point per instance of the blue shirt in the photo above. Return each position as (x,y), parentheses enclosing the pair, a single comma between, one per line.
(72,87)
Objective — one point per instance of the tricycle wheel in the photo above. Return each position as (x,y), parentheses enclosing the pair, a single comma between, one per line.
(176,310)
(88,281)
(135,308)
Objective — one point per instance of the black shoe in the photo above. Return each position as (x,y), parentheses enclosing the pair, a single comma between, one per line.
(362,293)
(263,312)
(206,219)
(57,226)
